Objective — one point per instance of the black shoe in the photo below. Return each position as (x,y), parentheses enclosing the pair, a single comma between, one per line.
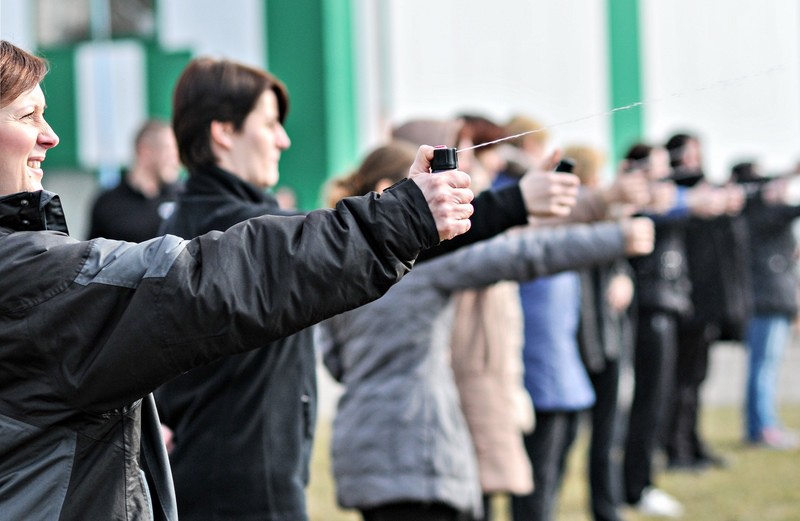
(713,460)
(687,465)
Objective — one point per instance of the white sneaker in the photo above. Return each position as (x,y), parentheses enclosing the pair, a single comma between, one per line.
(656,502)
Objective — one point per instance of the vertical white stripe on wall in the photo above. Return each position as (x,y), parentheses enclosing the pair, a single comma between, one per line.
(727,70)
(111,102)
(232,29)
(369,45)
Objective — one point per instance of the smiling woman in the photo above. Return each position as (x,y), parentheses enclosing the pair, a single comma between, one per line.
(89,329)
(25,136)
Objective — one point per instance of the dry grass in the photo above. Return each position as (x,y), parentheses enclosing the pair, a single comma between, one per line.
(759,485)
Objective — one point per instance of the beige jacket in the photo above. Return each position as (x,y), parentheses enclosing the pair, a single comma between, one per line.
(487,364)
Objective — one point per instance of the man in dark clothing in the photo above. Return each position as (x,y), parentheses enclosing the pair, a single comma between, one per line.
(134,209)
(717,264)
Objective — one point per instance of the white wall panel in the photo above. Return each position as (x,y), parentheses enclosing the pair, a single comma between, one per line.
(727,71)
(545,59)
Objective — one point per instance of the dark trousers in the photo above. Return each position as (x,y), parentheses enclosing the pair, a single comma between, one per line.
(682,440)
(547,447)
(488,513)
(414,510)
(654,372)
(605,452)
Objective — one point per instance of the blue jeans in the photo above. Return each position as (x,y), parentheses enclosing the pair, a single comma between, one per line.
(767,336)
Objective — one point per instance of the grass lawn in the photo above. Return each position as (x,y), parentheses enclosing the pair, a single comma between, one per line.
(759,485)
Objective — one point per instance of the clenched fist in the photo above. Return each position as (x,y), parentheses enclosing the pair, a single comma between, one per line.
(447,193)
(549,194)
(639,233)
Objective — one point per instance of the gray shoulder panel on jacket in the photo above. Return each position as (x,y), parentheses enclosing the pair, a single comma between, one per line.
(125,264)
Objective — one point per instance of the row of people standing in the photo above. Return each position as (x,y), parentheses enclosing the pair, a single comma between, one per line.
(557,422)
(662,312)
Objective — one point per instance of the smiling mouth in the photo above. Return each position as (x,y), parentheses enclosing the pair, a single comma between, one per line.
(37,165)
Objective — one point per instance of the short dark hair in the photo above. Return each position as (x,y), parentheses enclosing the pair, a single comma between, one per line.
(676,146)
(20,71)
(217,90)
(638,152)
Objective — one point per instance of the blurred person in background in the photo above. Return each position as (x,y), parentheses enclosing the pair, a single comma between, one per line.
(134,210)
(663,298)
(769,215)
(605,338)
(716,257)
(486,355)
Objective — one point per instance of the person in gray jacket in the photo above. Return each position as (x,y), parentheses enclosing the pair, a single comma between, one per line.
(401,447)
(89,329)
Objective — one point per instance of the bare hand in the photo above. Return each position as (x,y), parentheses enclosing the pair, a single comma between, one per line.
(706,200)
(639,234)
(629,188)
(549,194)
(169,438)
(619,293)
(663,197)
(736,199)
(447,193)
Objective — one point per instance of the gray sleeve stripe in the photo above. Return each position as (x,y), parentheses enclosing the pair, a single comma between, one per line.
(125,264)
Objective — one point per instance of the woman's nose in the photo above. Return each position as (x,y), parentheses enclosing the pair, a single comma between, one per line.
(47,137)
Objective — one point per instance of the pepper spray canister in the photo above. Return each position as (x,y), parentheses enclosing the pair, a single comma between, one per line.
(444,158)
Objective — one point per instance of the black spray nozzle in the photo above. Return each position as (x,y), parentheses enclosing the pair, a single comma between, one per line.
(566,165)
(444,158)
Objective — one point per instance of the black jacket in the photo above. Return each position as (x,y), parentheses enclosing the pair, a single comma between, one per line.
(604,334)
(772,257)
(90,328)
(717,255)
(662,277)
(243,425)
(125,214)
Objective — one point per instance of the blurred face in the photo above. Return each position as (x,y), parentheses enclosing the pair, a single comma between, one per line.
(160,153)
(256,148)
(537,151)
(692,159)
(25,138)
(658,164)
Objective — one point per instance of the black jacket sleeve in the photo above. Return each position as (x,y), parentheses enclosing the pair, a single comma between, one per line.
(494,212)
(228,292)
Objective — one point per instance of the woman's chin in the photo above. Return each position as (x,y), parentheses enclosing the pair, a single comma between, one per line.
(34,182)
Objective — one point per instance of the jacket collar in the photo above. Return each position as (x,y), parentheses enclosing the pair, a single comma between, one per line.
(213,180)
(32,211)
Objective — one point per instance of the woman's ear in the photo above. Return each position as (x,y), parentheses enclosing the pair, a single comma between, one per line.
(221,134)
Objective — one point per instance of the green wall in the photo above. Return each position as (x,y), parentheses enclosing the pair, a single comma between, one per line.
(62,112)
(625,74)
(309,47)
